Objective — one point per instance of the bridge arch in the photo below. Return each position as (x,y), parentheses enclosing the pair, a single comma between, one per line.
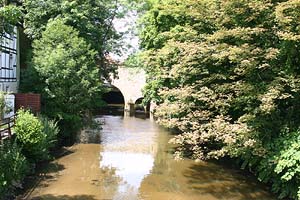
(130,81)
(114,96)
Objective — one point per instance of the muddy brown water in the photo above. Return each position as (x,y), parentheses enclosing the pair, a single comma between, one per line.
(133,162)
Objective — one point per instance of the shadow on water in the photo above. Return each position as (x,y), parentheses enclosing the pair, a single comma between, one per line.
(62,153)
(44,171)
(119,111)
(110,110)
(216,181)
(66,197)
(141,115)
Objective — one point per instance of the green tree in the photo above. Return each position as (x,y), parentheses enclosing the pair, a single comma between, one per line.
(225,74)
(93,19)
(66,65)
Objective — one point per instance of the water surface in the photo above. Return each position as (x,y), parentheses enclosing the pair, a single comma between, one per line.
(132,160)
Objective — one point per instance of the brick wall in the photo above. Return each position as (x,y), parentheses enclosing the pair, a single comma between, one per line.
(28,101)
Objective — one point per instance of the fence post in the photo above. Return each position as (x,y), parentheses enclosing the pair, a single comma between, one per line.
(9,130)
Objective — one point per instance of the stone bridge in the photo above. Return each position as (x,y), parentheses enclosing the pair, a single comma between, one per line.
(130,82)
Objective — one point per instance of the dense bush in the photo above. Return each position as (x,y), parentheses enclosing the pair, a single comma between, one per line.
(13,168)
(30,136)
(226,75)
(34,138)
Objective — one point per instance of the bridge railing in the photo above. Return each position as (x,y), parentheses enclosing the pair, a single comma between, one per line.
(6,126)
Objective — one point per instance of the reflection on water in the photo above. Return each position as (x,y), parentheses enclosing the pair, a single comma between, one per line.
(128,147)
(132,162)
(130,167)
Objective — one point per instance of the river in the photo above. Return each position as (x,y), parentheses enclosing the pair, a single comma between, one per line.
(131,160)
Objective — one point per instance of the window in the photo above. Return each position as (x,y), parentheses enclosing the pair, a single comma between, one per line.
(8,58)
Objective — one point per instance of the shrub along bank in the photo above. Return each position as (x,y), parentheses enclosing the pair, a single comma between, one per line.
(34,137)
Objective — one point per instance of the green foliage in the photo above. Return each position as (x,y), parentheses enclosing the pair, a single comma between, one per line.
(71,42)
(226,75)
(51,130)
(31,81)
(281,165)
(10,15)
(91,18)
(69,125)
(34,138)
(30,136)
(13,168)
(65,65)
(133,61)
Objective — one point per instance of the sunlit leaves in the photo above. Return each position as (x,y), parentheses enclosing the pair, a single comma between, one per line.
(225,75)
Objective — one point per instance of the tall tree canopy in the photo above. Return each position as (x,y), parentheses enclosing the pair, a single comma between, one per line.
(71,43)
(67,70)
(92,18)
(225,74)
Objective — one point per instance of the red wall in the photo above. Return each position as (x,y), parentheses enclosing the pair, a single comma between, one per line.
(28,101)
